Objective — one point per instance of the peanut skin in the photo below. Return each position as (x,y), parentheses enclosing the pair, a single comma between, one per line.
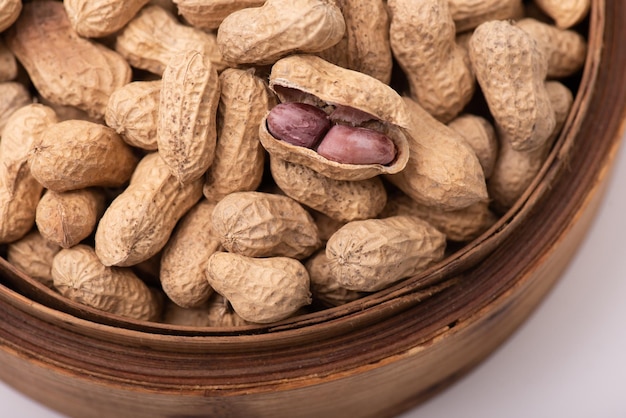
(356,145)
(298,124)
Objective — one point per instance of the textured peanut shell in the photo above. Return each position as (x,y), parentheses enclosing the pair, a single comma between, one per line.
(443,171)
(260,290)
(208,15)
(422,36)
(154,36)
(8,63)
(566,13)
(64,67)
(511,70)
(308,75)
(13,95)
(565,50)
(75,154)
(80,276)
(259,224)
(133,111)
(515,170)
(99,18)
(9,12)
(262,35)
(468,14)
(183,263)
(216,312)
(66,112)
(324,286)
(33,255)
(372,254)
(138,223)
(326,225)
(339,199)
(365,44)
(460,225)
(67,218)
(186,133)
(19,190)
(481,137)
(244,101)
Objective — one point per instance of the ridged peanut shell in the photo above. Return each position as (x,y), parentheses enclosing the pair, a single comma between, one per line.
(312,76)
(75,154)
(260,290)
(566,13)
(13,95)
(208,15)
(468,14)
(79,275)
(262,35)
(9,12)
(64,67)
(259,224)
(481,137)
(372,254)
(140,220)
(324,286)
(33,255)
(97,19)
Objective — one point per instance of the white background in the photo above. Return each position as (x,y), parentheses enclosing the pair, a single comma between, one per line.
(567,360)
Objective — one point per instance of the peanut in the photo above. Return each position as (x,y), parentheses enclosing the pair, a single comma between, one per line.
(244,101)
(75,154)
(79,275)
(259,224)
(511,70)
(216,312)
(184,257)
(326,225)
(208,15)
(33,255)
(9,12)
(96,19)
(260,290)
(356,145)
(566,13)
(339,199)
(154,36)
(422,37)
(141,219)
(299,124)
(64,67)
(481,137)
(262,35)
(8,63)
(19,190)
(372,254)
(67,218)
(186,133)
(13,95)
(468,14)
(324,287)
(133,111)
(443,171)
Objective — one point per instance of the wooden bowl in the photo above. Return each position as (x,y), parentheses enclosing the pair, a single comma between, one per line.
(377,356)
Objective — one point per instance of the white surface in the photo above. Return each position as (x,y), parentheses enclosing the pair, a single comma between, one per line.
(567,360)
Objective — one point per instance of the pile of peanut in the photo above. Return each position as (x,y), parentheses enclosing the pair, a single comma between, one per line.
(231,162)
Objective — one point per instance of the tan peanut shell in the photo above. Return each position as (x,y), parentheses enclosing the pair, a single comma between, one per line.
(262,35)
(19,190)
(33,255)
(67,218)
(365,44)
(64,67)
(565,50)
(423,40)
(133,111)
(326,225)
(186,132)
(79,275)
(140,220)
(66,112)
(460,225)
(9,12)
(468,14)
(8,63)
(566,13)
(339,199)
(481,137)
(372,254)
(244,101)
(97,19)
(308,77)
(511,70)
(208,15)
(258,224)
(324,286)
(260,290)
(515,170)
(75,154)
(443,171)
(216,312)
(13,95)
(154,36)
(182,273)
